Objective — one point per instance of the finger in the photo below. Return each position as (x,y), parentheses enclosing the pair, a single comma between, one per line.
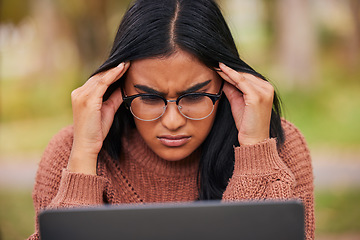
(247,83)
(235,78)
(236,101)
(261,87)
(100,75)
(226,77)
(94,89)
(258,82)
(100,84)
(114,101)
(110,107)
(232,93)
(118,72)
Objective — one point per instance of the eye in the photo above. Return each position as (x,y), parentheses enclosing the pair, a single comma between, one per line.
(193,98)
(151,99)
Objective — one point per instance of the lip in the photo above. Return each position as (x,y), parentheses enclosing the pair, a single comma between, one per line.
(174,140)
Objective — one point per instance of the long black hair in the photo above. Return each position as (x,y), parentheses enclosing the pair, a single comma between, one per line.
(151,29)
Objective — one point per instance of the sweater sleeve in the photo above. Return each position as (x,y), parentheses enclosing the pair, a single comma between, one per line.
(296,156)
(55,187)
(261,171)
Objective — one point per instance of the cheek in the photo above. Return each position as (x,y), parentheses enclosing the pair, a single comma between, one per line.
(146,129)
(203,127)
(209,122)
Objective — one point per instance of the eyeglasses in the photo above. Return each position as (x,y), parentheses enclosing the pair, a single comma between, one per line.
(150,107)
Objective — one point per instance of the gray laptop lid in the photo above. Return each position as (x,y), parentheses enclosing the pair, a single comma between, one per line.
(196,220)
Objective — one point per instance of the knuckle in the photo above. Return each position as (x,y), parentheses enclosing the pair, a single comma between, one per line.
(257,99)
(77,97)
(271,93)
(270,87)
(269,90)
(74,94)
(241,77)
(262,98)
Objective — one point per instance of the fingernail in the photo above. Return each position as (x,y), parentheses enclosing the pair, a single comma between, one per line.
(121,65)
(222,65)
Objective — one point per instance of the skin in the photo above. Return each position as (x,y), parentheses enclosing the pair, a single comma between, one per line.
(251,107)
(171,76)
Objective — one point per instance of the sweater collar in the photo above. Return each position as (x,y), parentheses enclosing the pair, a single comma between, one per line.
(136,150)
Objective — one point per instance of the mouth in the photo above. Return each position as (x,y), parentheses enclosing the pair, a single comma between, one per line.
(174,141)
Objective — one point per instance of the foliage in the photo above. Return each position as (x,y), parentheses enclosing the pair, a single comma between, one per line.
(15,10)
(37,96)
(16,215)
(337,211)
(328,113)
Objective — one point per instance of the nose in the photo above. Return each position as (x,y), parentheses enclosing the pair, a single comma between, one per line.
(172,118)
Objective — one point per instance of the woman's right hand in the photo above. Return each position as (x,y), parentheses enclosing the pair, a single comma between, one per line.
(93,118)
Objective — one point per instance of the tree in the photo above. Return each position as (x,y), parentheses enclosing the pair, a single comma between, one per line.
(295,39)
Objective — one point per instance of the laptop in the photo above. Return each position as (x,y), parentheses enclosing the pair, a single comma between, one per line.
(174,221)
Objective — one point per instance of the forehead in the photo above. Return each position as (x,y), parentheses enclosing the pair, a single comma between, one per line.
(174,73)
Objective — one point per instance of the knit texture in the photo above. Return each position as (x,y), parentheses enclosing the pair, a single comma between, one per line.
(261,171)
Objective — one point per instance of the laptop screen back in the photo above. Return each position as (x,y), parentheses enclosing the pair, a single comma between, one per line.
(197,220)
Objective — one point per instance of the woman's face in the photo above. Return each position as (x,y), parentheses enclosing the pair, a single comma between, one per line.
(173,136)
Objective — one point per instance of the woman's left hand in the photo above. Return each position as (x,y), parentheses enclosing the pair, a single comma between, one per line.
(251,100)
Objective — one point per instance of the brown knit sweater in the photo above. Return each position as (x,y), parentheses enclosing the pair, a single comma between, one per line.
(260,172)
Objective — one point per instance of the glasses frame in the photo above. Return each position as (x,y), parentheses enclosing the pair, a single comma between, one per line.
(214,98)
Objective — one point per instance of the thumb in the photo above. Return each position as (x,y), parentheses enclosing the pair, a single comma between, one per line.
(109,109)
(236,101)
(234,96)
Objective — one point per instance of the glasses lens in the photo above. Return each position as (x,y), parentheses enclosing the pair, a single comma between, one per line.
(196,106)
(147,107)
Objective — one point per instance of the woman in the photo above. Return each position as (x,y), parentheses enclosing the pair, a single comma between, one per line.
(174,114)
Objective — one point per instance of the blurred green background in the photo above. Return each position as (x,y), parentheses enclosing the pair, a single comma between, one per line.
(310,50)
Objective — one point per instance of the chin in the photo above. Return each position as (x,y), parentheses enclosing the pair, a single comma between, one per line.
(173,155)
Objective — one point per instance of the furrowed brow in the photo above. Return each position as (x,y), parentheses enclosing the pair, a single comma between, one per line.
(195,88)
(150,90)
(147,89)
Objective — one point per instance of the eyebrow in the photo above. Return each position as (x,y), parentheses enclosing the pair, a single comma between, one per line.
(150,90)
